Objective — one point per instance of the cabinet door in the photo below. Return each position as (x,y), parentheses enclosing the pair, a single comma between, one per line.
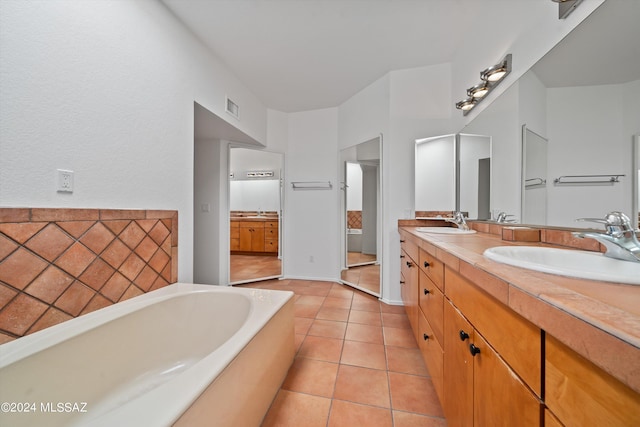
(581,394)
(410,290)
(432,354)
(245,239)
(500,398)
(458,369)
(431,303)
(257,239)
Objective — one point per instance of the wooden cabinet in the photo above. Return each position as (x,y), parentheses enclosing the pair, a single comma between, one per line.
(480,388)
(517,340)
(235,236)
(492,367)
(271,236)
(409,290)
(580,394)
(254,236)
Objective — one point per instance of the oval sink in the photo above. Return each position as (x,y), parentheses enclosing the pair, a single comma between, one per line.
(444,230)
(566,262)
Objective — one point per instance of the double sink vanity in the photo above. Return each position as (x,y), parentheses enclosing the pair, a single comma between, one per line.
(512,345)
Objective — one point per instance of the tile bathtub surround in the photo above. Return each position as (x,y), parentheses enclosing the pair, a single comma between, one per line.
(57,264)
(357,363)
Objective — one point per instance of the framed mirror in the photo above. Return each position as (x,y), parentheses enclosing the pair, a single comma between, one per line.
(580,98)
(361,208)
(453,173)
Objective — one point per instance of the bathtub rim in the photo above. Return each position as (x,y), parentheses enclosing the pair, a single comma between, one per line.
(195,379)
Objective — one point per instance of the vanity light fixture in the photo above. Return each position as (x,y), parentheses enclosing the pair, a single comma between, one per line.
(466,105)
(565,7)
(490,78)
(479,90)
(495,73)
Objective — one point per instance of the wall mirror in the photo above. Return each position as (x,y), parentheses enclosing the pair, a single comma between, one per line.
(453,173)
(255,215)
(575,114)
(361,208)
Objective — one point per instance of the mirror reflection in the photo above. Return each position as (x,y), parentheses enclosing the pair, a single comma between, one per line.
(361,208)
(586,110)
(453,173)
(255,207)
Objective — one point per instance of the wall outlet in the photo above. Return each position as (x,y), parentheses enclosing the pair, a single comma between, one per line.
(65,181)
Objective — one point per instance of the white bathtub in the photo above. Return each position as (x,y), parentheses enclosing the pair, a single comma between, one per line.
(182,355)
(354,239)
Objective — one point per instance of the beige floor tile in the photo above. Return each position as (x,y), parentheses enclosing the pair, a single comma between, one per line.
(349,414)
(412,393)
(290,409)
(364,354)
(312,377)
(406,360)
(362,385)
(321,348)
(399,337)
(328,328)
(406,419)
(364,333)
(365,317)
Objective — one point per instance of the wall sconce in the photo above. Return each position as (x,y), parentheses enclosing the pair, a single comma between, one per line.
(490,77)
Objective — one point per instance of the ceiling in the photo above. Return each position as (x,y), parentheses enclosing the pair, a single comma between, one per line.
(298,55)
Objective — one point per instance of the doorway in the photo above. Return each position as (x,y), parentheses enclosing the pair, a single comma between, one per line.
(255,215)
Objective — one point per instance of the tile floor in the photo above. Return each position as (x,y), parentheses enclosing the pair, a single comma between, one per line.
(357,363)
(252,267)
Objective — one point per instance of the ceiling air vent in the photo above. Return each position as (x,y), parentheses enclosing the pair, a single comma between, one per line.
(232,108)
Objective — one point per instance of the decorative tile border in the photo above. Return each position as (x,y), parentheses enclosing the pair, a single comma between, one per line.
(56,264)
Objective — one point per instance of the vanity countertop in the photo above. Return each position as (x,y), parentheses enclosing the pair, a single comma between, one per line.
(254,218)
(599,320)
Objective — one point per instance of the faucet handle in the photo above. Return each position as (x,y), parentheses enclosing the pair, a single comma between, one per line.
(615,222)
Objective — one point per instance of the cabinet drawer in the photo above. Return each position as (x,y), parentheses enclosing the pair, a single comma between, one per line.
(580,394)
(409,247)
(271,233)
(517,340)
(432,354)
(235,233)
(271,245)
(271,224)
(235,244)
(432,268)
(251,224)
(431,301)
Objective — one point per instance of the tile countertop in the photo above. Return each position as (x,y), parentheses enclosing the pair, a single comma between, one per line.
(599,320)
(254,218)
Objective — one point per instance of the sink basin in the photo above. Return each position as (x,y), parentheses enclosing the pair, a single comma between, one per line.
(444,230)
(565,262)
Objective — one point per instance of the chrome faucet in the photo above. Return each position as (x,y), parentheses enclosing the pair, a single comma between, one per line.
(619,237)
(458,219)
(502,217)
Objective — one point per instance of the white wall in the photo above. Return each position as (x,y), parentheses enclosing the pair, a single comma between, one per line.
(210,243)
(584,141)
(106,89)
(312,251)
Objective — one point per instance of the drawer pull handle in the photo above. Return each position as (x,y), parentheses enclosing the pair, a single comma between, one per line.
(426,264)
(425,336)
(402,282)
(426,292)
(474,350)
(401,241)
(401,256)
(409,264)
(463,335)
